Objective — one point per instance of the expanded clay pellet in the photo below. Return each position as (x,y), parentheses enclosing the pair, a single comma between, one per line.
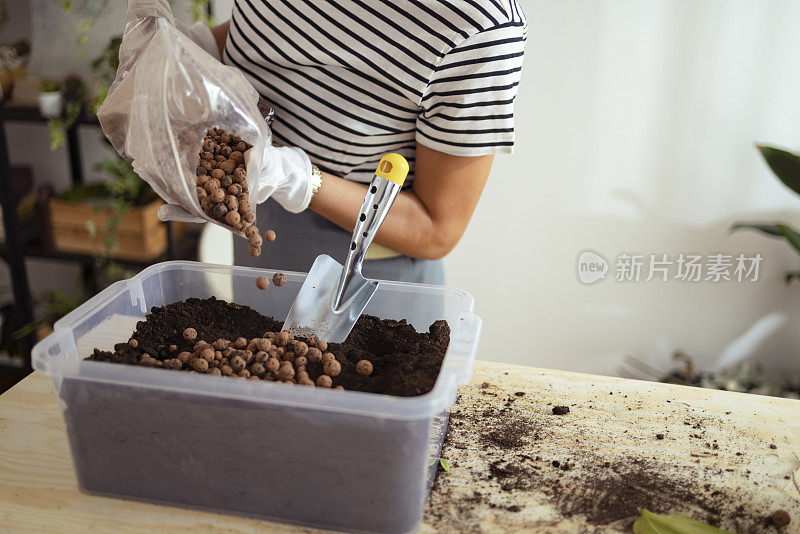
(332,368)
(364,367)
(222,188)
(273,357)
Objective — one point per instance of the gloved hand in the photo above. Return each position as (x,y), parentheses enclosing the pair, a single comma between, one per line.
(286,178)
(170,88)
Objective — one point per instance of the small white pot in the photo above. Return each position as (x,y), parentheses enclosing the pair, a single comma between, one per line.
(50,104)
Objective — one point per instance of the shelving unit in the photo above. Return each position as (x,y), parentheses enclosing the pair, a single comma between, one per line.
(16,248)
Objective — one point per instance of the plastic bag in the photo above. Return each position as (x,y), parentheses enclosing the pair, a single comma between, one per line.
(166,94)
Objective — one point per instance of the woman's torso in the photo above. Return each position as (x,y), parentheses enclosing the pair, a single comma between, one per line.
(346,78)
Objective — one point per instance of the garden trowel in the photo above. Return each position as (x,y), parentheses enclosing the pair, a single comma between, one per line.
(333,296)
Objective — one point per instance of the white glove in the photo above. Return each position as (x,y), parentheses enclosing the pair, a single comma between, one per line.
(286,178)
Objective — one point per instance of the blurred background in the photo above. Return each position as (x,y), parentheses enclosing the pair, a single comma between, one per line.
(636,123)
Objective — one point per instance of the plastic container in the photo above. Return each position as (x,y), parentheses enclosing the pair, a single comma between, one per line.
(332,459)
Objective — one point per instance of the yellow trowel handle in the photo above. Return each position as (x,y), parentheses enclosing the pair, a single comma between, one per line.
(383,189)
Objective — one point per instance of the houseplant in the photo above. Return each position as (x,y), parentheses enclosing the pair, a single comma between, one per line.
(50,101)
(747,376)
(786,166)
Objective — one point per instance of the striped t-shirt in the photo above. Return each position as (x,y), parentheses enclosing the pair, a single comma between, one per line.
(351,80)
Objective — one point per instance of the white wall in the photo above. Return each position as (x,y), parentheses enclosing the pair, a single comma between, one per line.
(635,125)
(636,121)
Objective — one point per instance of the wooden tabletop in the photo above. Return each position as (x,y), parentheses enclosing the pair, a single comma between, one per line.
(722,457)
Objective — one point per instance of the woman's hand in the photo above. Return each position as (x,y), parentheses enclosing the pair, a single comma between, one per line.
(426,222)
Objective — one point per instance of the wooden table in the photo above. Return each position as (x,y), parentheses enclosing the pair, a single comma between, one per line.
(515,466)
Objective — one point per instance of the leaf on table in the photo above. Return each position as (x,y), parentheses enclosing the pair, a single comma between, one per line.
(650,523)
(445,465)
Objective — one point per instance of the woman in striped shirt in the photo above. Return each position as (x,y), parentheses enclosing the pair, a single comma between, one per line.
(351,80)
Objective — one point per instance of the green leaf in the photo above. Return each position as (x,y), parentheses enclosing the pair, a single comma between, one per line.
(785,165)
(445,465)
(791,235)
(91,228)
(771,229)
(650,523)
(58,134)
(777,229)
(109,242)
(24,331)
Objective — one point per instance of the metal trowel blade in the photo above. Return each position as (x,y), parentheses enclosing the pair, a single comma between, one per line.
(313,311)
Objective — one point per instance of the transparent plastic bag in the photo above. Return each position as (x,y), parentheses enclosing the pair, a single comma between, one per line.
(166,94)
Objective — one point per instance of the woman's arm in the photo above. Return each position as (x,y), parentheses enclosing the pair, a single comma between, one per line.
(220,34)
(426,222)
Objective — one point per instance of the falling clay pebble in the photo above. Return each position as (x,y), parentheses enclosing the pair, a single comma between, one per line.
(270,235)
(279,279)
(324,381)
(262,282)
(364,367)
(190,334)
(255,239)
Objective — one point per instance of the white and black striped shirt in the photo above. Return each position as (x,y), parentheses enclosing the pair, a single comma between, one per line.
(351,80)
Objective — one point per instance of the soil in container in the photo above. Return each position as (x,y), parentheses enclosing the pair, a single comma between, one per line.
(216,337)
(348,471)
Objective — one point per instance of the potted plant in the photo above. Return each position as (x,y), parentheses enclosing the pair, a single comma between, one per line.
(786,166)
(50,100)
(116,219)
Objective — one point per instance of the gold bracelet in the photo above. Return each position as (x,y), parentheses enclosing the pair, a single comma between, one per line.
(316,180)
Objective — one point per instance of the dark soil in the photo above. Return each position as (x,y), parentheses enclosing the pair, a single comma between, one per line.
(405,362)
(517,462)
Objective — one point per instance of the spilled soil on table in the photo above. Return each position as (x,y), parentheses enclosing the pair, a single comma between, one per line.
(523,458)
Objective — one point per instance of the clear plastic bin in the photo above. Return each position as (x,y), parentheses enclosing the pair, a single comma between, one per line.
(332,459)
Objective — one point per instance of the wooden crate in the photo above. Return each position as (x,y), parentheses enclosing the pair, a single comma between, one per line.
(140,236)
